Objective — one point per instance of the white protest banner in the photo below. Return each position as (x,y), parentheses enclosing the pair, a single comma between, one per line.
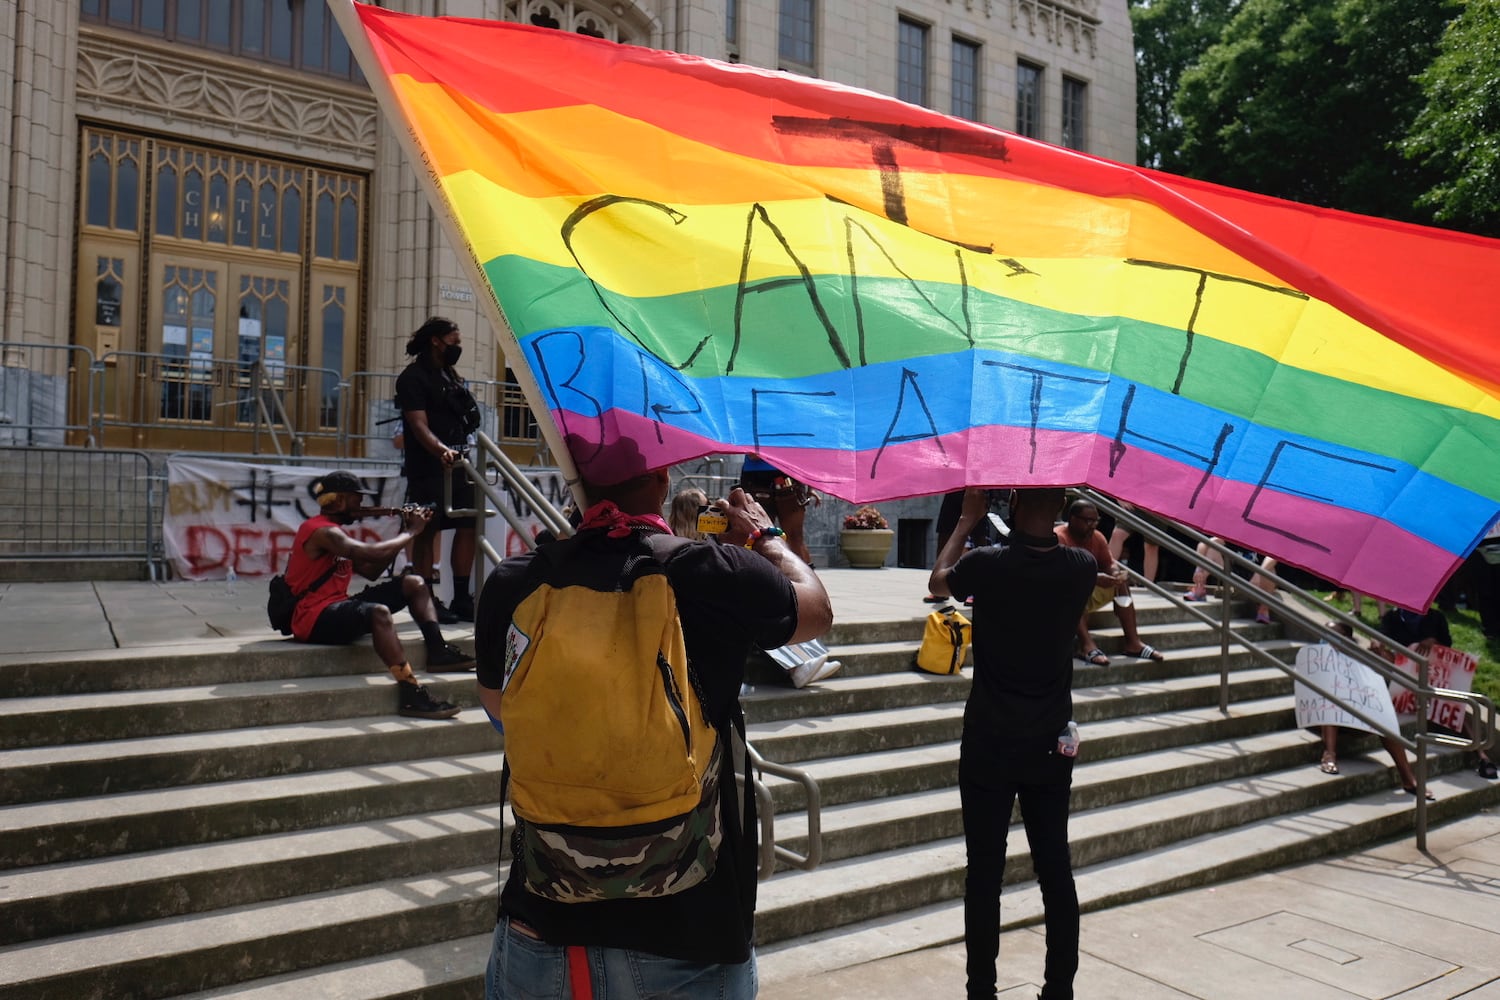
(224,515)
(1446,668)
(1347,679)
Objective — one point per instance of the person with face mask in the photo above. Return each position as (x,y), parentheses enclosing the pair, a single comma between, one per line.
(439,415)
(323,562)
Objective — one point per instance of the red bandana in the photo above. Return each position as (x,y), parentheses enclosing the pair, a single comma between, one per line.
(605,514)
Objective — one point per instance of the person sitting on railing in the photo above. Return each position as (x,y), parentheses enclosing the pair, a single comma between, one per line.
(783,497)
(1079,532)
(1150,551)
(1330,734)
(439,414)
(1199,591)
(1421,631)
(323,562)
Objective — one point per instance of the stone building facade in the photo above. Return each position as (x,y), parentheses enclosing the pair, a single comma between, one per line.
(195,185)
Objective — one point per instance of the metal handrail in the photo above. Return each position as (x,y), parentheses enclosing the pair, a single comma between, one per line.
(1482,708)
(770,851)
(493,458)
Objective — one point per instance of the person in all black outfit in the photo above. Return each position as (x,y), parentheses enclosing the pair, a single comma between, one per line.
(1028,598)
(439,414)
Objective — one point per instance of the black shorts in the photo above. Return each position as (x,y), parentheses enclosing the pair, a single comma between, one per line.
(345,621)
(428,491)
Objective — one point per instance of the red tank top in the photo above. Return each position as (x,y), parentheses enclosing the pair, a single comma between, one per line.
(302,571)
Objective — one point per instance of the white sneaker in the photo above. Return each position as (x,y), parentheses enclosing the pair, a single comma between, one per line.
(829,669)
(805,672)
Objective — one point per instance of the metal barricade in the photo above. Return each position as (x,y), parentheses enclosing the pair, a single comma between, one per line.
(715,475)
(80,504)
(370,416)
(45,394)
(210,403)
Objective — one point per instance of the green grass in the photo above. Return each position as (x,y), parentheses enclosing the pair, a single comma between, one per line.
(1467,636)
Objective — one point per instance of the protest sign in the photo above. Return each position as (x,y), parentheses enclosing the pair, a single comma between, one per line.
(1347,679)
(1446,668)
(224,515)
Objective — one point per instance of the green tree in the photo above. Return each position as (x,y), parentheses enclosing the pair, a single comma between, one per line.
(1457,132)
(1310,100)
(1170,35)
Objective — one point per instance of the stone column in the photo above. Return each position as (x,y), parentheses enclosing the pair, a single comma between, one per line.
(37,62)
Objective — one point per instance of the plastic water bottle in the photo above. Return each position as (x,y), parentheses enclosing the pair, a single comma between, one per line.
(229,579)
(1067,740)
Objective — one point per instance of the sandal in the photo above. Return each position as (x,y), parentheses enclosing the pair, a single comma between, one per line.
(1262,615)
(1329,764)
(1412,790)
(1148,652)
(1097,657)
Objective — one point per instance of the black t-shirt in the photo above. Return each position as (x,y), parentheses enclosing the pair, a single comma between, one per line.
(1406,628)
(1027,603)
(729,599)
(442,395)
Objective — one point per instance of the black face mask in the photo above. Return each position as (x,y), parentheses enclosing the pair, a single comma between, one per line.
(451,354)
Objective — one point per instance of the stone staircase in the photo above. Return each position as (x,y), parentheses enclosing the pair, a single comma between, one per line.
(257,823)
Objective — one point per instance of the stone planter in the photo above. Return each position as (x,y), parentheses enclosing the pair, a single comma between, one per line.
(866,548)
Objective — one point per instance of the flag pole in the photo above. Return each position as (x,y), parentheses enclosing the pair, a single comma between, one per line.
(359,44)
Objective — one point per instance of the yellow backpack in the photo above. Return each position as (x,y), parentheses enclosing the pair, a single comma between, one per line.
(945,642)
(614,765)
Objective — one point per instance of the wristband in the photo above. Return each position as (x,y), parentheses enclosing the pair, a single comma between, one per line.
(759,533)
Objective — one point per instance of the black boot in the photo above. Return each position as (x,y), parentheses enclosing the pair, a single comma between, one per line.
(417,703)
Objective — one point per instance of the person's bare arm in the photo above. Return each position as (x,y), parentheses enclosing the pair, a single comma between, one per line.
(814,609)
(976,503)
(421,432)
(370,559)
(490,698)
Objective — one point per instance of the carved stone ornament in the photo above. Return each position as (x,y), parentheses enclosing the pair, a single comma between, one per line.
(244,103)
(1072,25)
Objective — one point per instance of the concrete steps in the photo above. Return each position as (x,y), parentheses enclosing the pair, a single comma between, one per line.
(252,820)
(1208,858)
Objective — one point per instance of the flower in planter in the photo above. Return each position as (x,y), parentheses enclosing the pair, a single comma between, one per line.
(865,519)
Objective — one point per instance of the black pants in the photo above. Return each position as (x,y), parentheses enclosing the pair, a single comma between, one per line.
(989,784)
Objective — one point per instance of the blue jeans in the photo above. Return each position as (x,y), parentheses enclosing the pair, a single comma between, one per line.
(522,967)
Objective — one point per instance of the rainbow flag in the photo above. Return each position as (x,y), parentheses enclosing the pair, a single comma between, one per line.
(696,257)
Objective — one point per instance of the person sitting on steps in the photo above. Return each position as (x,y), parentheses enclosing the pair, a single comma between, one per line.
(1330,761)
(323,561)
(1079,531)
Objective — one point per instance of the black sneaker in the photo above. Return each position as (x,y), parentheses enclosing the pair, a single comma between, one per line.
(444,615)
(449,657)
(416,703)
(462,608)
